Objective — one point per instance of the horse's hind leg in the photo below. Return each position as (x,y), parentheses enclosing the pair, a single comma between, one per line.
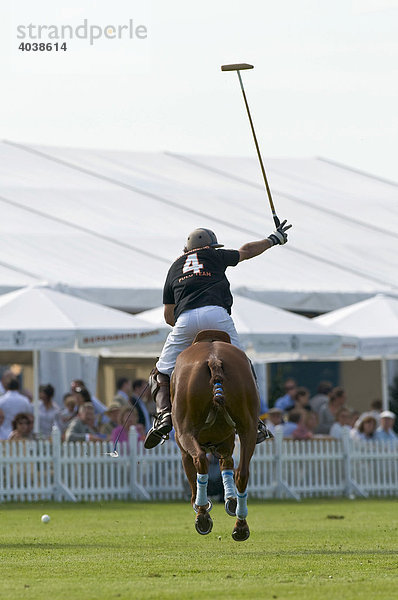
(247,445)
(227,473)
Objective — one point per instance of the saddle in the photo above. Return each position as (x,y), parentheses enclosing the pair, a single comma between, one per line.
(212,335)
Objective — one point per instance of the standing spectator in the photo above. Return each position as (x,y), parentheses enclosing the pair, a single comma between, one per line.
(328,412)
(301,399)
(306,426)
(20,428)
(365,428)
(141,388)
(376,406)
(123,391)
(49,412)
(275,417)
(286,402)
(82,428)
(98,406)
(322,396)
(6,377)
(385,432)
(342,423)
(12,403)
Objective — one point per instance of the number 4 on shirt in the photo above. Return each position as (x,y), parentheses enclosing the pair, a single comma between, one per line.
(192,264)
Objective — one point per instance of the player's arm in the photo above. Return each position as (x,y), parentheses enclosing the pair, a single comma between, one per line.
(169,314)
(252,249)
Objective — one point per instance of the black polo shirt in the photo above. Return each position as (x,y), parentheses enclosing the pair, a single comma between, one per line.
(197,278)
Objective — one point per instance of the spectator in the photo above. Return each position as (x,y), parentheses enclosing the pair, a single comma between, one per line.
(322,396)
(128,418)
(328,412)
(82,428)
(6,377)
(31,423)
(301,399)
(68,412)
(376,406)
(123,391)
(49,412)
(141,391)
(306,426)
(355,414)
(275,417)
(12,403)
(81,395)
(98,406)
(292,423)
(385,432)
(2,436)
(286,402)
(365,429)
(20,428)
(113,414)
(342,423)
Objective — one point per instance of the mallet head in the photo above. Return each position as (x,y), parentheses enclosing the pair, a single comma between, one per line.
(237,67)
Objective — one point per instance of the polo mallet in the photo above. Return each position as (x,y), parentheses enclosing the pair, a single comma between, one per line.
(241,67)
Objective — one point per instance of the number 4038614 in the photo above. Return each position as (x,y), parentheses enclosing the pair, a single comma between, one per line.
(42,47)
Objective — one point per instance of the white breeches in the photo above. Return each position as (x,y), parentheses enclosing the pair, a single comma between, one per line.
(188,324)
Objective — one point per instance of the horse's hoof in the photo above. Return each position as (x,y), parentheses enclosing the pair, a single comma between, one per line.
(241,531)
(207,508)
(230,506)
(203,523)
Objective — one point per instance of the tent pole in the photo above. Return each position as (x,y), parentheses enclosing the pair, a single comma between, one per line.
(384,383)
(36,392)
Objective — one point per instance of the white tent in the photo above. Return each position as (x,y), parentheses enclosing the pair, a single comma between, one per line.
(105,225)
(37,318)
(272,334)
(375,323)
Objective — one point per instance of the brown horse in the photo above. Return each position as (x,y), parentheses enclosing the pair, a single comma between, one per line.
(213,395)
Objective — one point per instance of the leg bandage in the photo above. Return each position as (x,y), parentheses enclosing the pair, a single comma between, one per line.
(241,510)
(229,484)
(201,489)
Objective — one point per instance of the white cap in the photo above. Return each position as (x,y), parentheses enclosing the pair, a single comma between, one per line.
(387,414)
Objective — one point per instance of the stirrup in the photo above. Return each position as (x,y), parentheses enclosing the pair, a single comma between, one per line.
(263,433)
(159,433)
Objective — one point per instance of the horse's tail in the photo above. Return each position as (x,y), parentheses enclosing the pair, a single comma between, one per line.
(216,380)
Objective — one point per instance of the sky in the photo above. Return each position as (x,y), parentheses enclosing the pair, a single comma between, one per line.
(325,81)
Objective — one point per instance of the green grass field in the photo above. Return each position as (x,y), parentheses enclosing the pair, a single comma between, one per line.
(127,550)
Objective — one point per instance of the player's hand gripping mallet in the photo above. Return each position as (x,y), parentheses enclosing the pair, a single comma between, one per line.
(241,67)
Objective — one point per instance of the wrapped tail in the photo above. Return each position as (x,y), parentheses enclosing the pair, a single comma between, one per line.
(217,380)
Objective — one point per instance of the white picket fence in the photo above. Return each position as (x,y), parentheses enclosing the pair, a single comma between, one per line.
(53,470)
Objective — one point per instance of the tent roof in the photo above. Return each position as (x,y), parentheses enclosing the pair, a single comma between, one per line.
(106,225)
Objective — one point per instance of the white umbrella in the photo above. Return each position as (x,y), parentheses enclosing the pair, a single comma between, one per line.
(375,323)
(272,334)
(37,318)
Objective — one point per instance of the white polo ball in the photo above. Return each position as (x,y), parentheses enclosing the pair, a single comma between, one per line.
(45,518)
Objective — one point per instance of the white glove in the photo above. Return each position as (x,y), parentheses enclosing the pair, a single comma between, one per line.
(279,236)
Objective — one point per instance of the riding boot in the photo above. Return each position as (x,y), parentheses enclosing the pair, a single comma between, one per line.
(263,433)
(162,425)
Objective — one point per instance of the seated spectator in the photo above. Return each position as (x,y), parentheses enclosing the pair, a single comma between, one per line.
(322,396)
(68,412)
(12,403)
(365,428)
(286,402)
(327,412)
(342,423)
(385,432)
(20,428)
(306,426)
(113,414)
(82,428)
(48,411)
(275,417)
(292,423)
(128,417)
(301,399)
